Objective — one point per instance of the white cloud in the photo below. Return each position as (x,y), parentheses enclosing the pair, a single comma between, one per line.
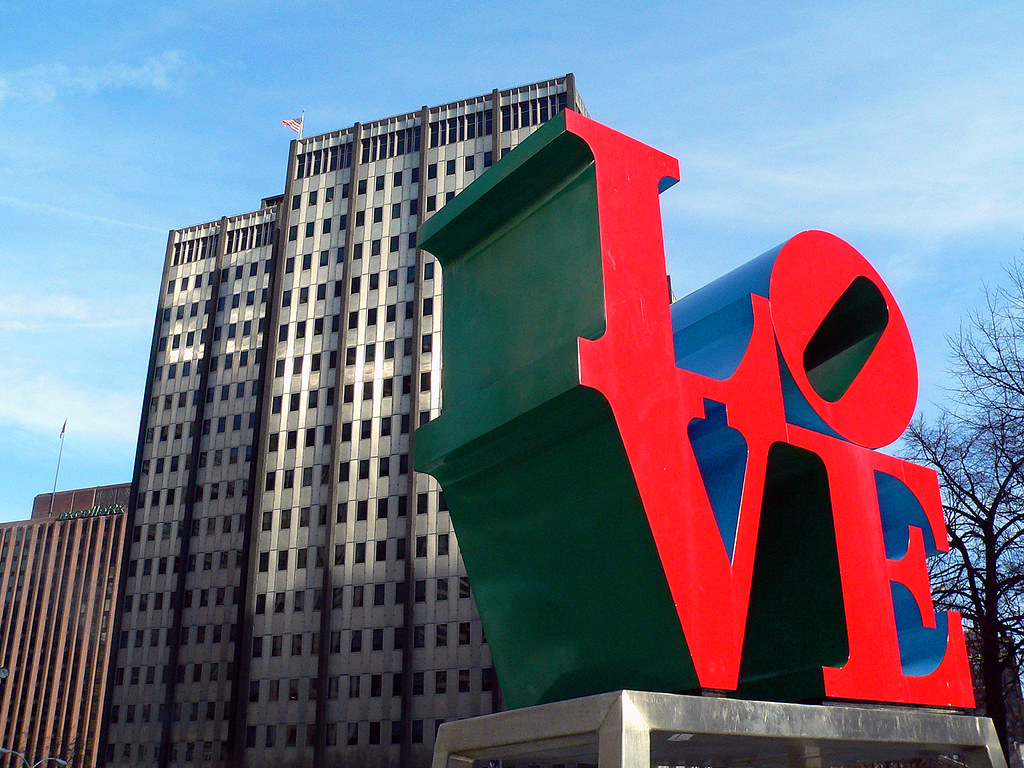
(872,138)
(27,205)
(43,83)
(21,312)
(41,402)
(919,173)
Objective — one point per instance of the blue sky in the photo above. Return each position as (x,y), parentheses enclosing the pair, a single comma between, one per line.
(897,126)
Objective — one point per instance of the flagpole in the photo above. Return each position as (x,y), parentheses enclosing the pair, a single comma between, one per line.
(302,124)
(57,473)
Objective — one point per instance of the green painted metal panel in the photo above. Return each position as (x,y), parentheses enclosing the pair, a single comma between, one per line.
(553,533)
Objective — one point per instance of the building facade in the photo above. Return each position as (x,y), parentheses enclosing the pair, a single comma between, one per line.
(293,591)
(58,582)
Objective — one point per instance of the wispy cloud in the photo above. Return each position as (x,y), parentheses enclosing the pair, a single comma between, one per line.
(41,402)
(947,162)
(20,312)
(44,83)
(879,121)
(28,205)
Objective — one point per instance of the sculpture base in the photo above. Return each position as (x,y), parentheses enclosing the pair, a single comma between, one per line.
(637,729)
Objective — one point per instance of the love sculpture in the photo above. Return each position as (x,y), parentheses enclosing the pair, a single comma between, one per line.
(677,497)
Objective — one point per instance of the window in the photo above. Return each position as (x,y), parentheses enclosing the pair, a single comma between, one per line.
(449,168)
(470,162)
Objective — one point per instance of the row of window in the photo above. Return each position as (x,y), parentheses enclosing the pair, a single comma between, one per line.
(182,283)
(167,530)
(394,242)
(306,689)
(234,454)
(245,328)
(198,561)
(189,338)
(390,144)
(201,598)
(296,689)
(532,112)
(381,550)
(254,236)
(306,475)
(166,496)
(377,212)
(194,250)
(173,464)
(295,601)
(386,388)
(362,185)
(272,736)
(354,734)
(403,141)
(227,361)
(462,128)
(319,161)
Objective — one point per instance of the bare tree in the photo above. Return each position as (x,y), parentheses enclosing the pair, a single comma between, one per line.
(976,444)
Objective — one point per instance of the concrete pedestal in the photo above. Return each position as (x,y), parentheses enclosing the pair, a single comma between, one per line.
(636,729)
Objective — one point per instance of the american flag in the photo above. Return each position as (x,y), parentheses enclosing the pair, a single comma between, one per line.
(295,124)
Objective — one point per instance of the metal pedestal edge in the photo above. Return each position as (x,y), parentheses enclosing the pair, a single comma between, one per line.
(638,729)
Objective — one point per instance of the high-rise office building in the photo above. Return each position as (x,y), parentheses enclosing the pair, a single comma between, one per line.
(293,592)
(58,578)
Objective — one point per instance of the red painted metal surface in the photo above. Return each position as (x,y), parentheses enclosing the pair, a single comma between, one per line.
(653,401)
